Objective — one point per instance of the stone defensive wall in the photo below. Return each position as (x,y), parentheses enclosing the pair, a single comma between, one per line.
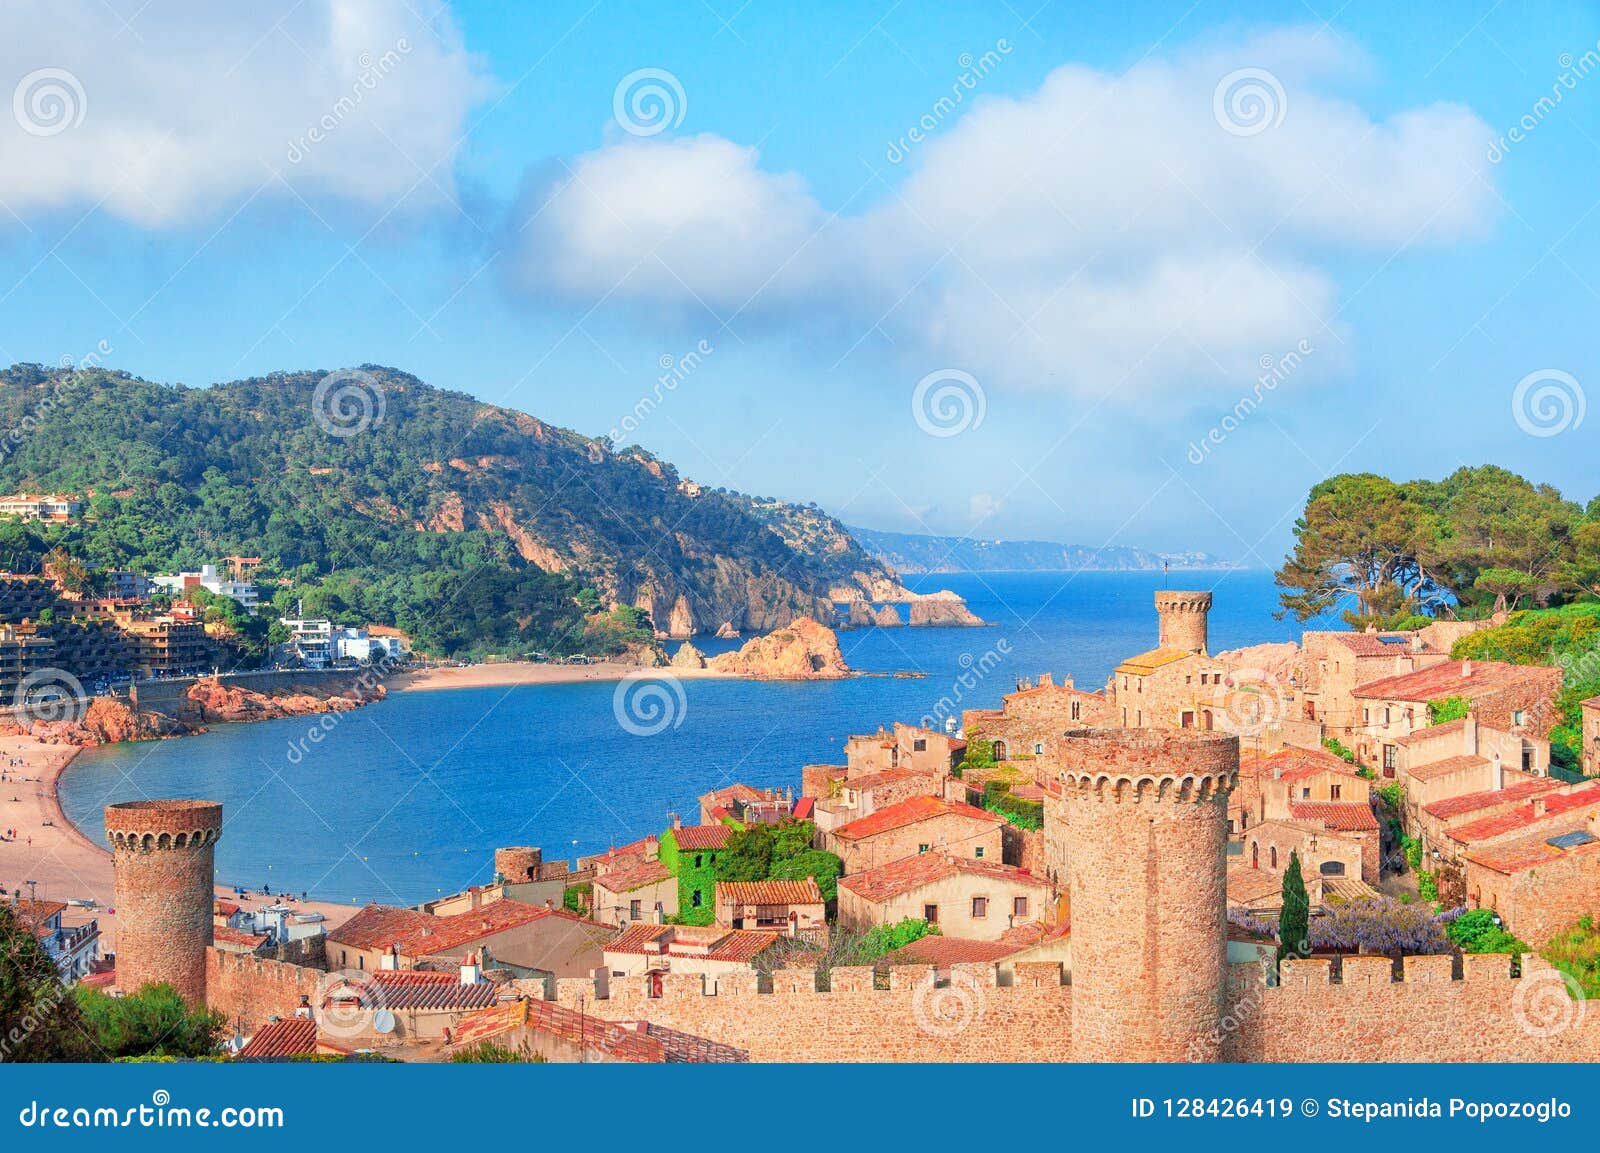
(251,990)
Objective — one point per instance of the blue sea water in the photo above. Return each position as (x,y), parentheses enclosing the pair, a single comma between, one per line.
(405,799)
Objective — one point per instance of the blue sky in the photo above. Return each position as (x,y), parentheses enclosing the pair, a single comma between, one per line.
(1097,248)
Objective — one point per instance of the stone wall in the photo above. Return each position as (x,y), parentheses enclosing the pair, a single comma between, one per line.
(249,990)
(969,1018)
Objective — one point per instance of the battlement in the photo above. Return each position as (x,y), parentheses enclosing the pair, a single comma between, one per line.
(1175,601)
(1477,968)
(1183,618)
(147,825)
(1135,765)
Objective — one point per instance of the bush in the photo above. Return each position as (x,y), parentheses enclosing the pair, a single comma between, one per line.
(1577,954)
(1338,748)
(154,1022)
(1478,932)
(1023,813)
(824,866)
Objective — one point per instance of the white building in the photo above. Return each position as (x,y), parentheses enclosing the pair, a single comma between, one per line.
(212,581)
(40,506)
(73,948)
(356,645)
(310,641)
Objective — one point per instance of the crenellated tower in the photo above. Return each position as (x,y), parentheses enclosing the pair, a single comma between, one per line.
(1147,821)
(163,853)
(1184,620)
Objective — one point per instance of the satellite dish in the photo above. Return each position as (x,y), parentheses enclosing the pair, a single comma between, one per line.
(383,1021)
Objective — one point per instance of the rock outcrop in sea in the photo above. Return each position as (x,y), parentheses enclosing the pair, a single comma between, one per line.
(688,657)
(804,650)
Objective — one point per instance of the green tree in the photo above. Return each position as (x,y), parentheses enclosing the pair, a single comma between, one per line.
(1447,709)
(824,866)
(1294,922)
(748,856)
(39,1020)
(153,1022)
(1508,587)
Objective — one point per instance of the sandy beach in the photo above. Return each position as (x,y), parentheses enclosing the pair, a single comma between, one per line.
(509,673)
(66,866)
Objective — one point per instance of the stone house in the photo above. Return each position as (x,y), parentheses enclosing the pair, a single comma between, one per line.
(862,796)
(1540,885)
(903,747)
(913,826)
(647,891)
(1551,814)
(792,907)
(1515,699)
(379,934)
(1332,839)
(1461,757)
(1430,823)
(1036,712)
(1337,663)
(1033,942)
(1167,688)
(976,900)
(396,1007)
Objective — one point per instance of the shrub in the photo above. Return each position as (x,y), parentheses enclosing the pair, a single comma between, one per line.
(1478,932)
(1339,749)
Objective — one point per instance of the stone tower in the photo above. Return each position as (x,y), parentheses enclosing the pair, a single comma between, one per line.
(1183,620)
(1147,821)
(518,863)
(163,853)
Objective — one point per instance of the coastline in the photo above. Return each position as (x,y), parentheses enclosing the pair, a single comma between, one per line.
(508,674)
(64,861)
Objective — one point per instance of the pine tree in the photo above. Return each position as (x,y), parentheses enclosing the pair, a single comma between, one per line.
(1294,922)
(38,1017)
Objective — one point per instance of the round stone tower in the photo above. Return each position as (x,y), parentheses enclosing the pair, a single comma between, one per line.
(163,853)
(1147,823)
(518,863)
(1183,620)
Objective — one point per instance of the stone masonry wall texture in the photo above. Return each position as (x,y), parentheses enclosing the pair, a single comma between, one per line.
(163,859)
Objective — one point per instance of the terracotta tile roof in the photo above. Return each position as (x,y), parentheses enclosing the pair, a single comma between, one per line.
(769,892)
(289,1037)
(1336,816)
(1373,644)
(637,1042)
(730,793)
(1488,798)
(228,935)
(693,837)
(1246,885)
(1528,853)
(410,989)
(1032,933)
(741,945)
(708,942)
(103,980)
(1292,764)
(1445,680)
(634,877)
(1347,888)
(912,873)
(221,908)
(1523,816)
(37,913)
(942,952)
(1152,660)
(418,934)
(885,777)
(1432,732)
(1449,766)
(909,812)
(804,808)
(639,937)
(620,856)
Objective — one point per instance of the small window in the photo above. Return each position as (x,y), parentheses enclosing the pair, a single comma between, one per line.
(1075,711)
(1335,790)
(1038,748)
(922,848)
(930,914)
(1272,856)
(695,898)
(361,962)
(1019,906)
(1305,793)
(980,906)
(633,910)
(697,860)
(978,852)
(1518,717)
(920,745)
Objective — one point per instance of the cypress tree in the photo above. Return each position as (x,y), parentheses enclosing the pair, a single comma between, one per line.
(1294,922)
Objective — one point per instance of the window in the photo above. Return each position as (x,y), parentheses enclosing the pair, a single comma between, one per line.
(980,906)
(978,853)
(1038,748)
(1518,717)
(1075,710)
(1331,868)
(1366,716)
(696,898)
(697,857)
(1231,829)
(1272,856)
(920,745)
(633,910)
(1389,760)
(1334,791)
(922,848)
(361,962)
(930,914)
(1019,906)
(1305,793)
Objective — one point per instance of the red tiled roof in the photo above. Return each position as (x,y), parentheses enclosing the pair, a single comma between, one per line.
(1591,703)
(290,1037)
(1445,680)
(804,808)
(228,935)
(1522,816)
(910,812)
(1373,645)
(707,942)
(634,877)
(221,908)
(1528,853)
(1336,816)
(104,980)
(1432,731)
(544,1017)
(741,945)
(1292,764)
(769,892)
(730,793)
(1026,936)
(410,989)
(885,777)
(36,913)
(1488,798)
(1449,766)
(942,952)
(693,837)
(912,873)
(418,934)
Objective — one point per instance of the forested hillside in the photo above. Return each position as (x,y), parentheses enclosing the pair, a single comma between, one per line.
(380,499)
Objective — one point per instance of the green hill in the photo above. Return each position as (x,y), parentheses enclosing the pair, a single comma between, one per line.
(379,499)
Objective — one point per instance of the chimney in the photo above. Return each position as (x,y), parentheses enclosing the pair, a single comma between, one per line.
(391,959)
(1417,644)
(1538,807)
(1046,680)
(652,846)
(1470,736)
(304,1008)
(1498,773)
(1466,669)
(471,971)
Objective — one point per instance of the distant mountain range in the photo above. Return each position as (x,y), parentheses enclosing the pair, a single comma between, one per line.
(916,553)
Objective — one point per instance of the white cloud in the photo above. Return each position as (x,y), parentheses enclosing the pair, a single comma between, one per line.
(190,108)
(1103,231)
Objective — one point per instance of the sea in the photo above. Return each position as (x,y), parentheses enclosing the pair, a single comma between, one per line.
(406,799)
